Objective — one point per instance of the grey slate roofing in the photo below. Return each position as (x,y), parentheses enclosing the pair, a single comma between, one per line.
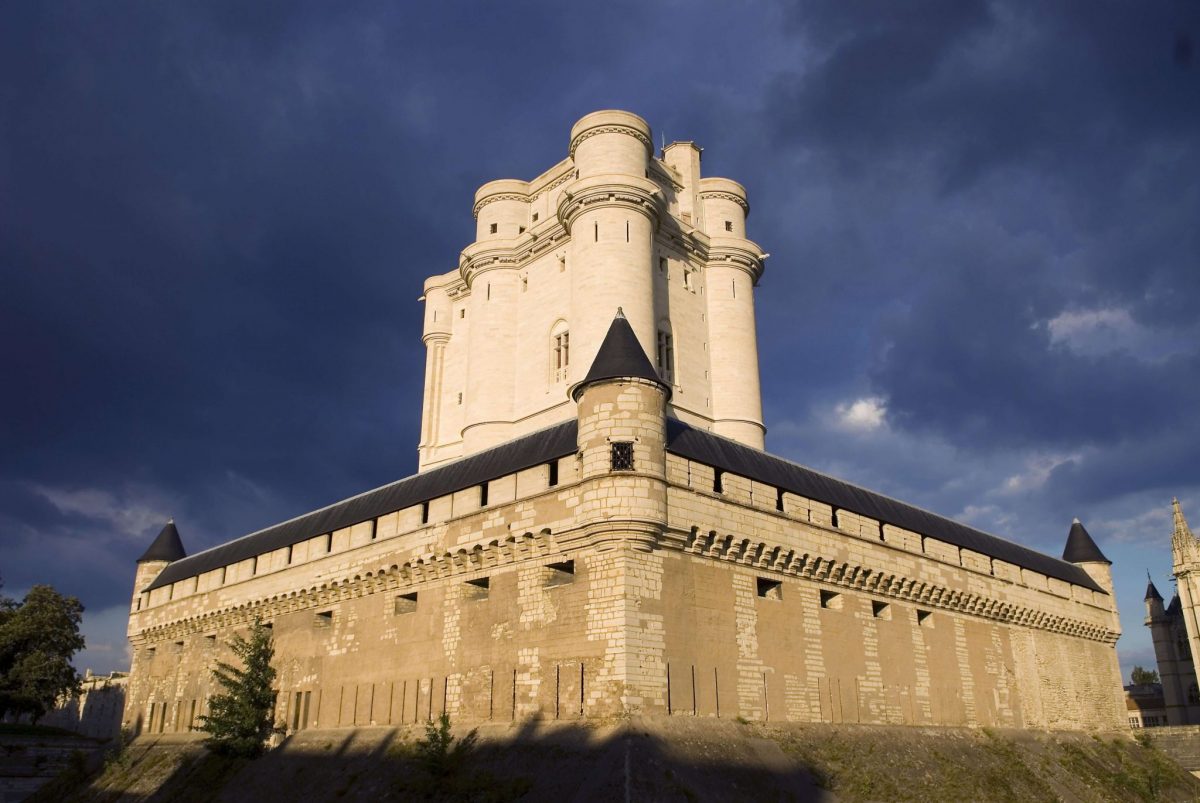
(705,447)
(620,355)
(166,546)
(1081,548)
(539,447)
(559,441)
(1175,608)
(1152,592)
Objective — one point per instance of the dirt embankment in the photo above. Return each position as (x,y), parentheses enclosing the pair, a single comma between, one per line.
(676,759)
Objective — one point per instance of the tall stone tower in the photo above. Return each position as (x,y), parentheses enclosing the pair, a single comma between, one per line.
(1171,653)
(510,332)
(1182,612)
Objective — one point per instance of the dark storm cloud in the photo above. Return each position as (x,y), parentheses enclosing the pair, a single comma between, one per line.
(215,219)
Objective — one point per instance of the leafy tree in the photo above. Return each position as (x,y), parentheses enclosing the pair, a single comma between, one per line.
(38,639)
(239,717)
(1140,676)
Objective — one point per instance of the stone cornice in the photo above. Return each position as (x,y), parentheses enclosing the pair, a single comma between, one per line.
(764,555)
(500,196)
(637,194)
(482,256)
(627,130)
(737,253)
(727,196)
(484,555)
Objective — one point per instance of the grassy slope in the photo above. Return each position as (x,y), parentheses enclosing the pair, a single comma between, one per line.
(678,759)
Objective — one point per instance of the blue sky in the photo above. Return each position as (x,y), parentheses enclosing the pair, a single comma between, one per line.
(983,295)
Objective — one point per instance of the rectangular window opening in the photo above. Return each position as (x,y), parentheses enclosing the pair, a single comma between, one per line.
(477,589)
(462,313)
(520,229)
(831,600)
(553,466)
(210,642)
(323,619)
(626,231)
(622,456)
(779,499)
(925,618)
(728,225)
(483,494)
(718,481)
(559,574)
(770,589)
(492,229)
(535,217)
(406,603)
(881,610)
(178,647)
(425,512)
(328,542)
(596,232)
(289,555)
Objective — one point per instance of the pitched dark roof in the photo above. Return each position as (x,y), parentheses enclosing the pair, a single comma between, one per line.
(540,447)
(560,440)
(1152,592)
(1175,608)
(165,546)
(712,450)
(620,355)
(1081,548)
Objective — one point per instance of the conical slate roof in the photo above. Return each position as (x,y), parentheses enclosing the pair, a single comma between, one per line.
(620,357)
(166,546)
(1081,548)
(1176,607)
(1151,591)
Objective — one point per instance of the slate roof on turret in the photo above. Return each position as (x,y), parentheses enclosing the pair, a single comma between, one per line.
(560,440)
(1081,548)
(166,546)
(620,356)
(1175,608)
(1152,592)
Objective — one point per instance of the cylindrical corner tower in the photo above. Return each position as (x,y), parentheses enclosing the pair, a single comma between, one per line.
(501,210)
(734,266)
(611,211)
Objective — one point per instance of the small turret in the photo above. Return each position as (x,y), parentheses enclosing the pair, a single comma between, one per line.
(1081,549)
(1154,602)
(166,548)
(622,441)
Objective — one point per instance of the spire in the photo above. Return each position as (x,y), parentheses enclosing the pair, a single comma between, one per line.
(167,546)
(1081,548)
(620,357)
(1181,526)
(1151,591)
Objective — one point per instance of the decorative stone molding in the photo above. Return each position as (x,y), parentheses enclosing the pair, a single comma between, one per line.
(628,131)
(485,554)
(500,196)
(766,556)
(730,253)
(644,199)
(727,196)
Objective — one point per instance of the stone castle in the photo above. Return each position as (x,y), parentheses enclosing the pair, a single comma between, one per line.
(595,529)
(1173,627)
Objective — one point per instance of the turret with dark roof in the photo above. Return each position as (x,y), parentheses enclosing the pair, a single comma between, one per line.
(620,357)
(1151,591)
(1081,548)
(166,547)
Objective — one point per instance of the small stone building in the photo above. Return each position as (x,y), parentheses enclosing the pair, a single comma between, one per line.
(595,529)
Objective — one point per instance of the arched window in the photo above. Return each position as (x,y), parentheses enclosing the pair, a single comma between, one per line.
(560,351)
(665,353)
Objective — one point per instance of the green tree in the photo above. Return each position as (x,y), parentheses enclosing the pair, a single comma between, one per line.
(239,717)
(1141,675)
(38,639)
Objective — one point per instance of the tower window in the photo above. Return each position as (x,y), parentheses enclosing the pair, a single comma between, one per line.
(425,512)
(520,229)
(718,481)
(406,603)
(535,217)
(553,466)
(596,232)
(665,354)
(622,456)
(728,225)
(768,588)
(831,600)
(323,619)
(289,556)
(492,228)
(483,494)
(477,589)
(626,231)
(462,313)
(881,610)
(560,358)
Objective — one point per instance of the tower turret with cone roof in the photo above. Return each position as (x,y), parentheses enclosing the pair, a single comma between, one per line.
(165,549)
(1082,550)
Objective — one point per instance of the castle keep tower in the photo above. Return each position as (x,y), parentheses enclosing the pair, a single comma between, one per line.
(513,329)
(595,529)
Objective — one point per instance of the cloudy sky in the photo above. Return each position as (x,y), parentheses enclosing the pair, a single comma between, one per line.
(983,295)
